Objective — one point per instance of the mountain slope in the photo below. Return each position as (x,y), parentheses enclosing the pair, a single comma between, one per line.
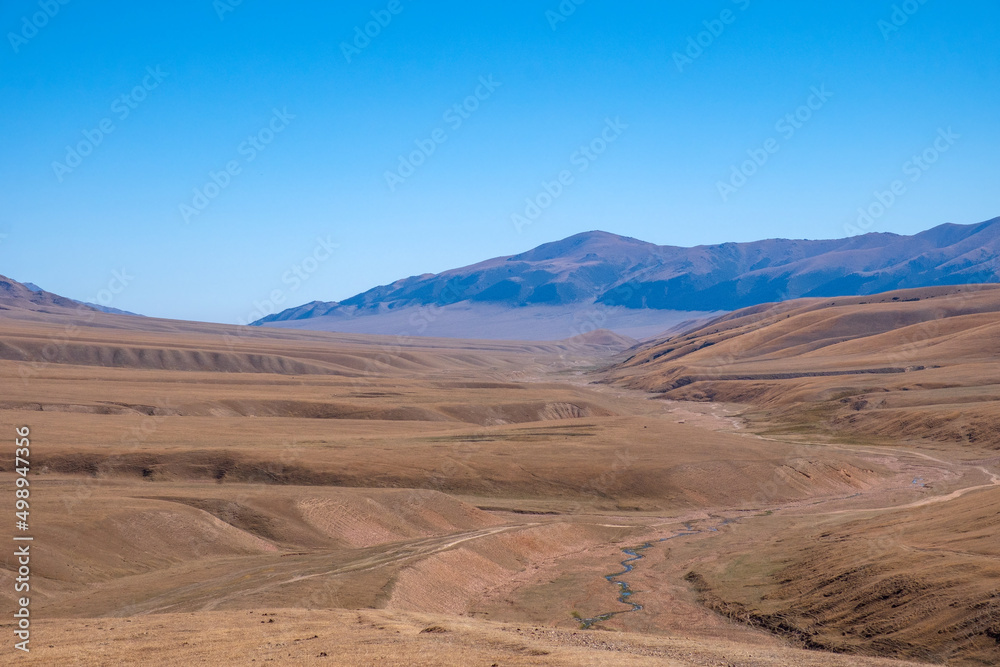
(610,271)
(96,306)
(18,296)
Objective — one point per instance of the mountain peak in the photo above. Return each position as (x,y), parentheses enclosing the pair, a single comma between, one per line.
(605,244)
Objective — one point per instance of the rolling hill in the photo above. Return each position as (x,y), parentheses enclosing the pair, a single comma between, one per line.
(908,370)
(910,364)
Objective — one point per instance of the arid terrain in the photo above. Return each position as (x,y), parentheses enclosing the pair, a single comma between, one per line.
(809,483)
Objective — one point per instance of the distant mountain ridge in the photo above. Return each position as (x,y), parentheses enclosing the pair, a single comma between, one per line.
(96,306)
(21,296)
(616,272)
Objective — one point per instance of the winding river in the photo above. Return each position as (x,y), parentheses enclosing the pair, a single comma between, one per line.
(634,554)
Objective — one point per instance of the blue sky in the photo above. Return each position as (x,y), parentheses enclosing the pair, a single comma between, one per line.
(300,132)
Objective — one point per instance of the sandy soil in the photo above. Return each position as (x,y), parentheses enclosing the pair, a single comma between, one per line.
(329,637)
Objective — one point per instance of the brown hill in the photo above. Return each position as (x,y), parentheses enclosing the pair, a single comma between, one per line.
(915,364)
(911,370)
(918,582)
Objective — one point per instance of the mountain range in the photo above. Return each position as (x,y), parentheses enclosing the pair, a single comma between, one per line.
(639,288)
(597,280)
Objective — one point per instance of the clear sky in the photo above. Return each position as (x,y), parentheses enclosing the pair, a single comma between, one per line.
(117,114)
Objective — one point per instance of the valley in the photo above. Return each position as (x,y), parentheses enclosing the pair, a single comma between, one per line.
(206,492)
